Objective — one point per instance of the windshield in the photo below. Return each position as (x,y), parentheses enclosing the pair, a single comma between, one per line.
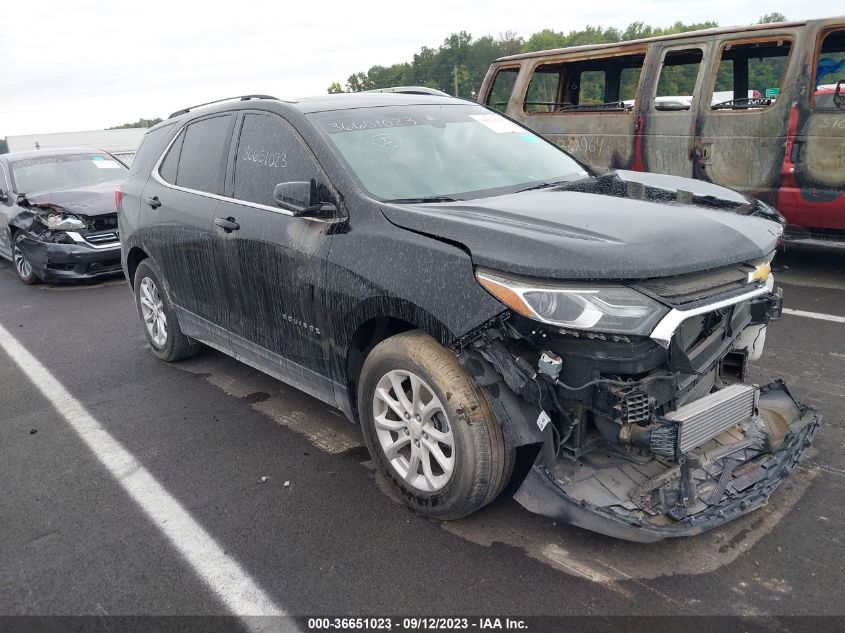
(424,152)
(71,171)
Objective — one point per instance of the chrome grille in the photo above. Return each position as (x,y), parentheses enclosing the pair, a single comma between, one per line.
(685,289)
(705,418)
(101,238)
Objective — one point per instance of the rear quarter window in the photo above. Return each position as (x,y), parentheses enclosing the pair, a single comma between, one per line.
(170,164)
(150,149)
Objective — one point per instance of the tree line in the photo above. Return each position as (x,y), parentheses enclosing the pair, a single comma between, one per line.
(459,64)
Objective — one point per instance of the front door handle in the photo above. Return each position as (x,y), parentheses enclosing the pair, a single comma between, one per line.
(227,224)
(153,201)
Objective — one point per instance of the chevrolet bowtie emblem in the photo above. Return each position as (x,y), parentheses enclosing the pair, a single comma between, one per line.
(761,273)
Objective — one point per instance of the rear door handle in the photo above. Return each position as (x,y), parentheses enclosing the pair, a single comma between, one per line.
(153,201)
(227,224)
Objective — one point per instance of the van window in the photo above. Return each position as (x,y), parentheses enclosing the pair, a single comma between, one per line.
(502,88)
(270,151)
(830,70)
(596,85)
(678,75)
(592,87)
(204,150)
(750,76)
(543,90)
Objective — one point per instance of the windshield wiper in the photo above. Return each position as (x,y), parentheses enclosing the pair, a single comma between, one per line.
(545,185)
(422,200)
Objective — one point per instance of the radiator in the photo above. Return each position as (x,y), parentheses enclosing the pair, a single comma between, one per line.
(706,417)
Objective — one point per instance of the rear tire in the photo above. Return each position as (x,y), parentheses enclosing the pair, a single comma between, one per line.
(158,318)
(23,269)
(418,406)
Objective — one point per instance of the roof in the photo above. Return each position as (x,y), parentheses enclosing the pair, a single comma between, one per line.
(320,103)
(649,40)
(414,90)
(40,153)
(354,100)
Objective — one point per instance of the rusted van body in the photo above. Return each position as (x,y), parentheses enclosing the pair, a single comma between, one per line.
(760,109)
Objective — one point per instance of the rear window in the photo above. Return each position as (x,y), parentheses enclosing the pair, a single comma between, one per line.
(202,160)
(66,171)
(596,85)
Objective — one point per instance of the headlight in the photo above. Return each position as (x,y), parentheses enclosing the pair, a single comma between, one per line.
(59,222)
(611,309)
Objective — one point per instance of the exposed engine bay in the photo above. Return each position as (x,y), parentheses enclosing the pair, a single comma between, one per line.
(644,437)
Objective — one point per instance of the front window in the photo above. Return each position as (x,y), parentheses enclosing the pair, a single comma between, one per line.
(66,171)
(453,151)
(502,88)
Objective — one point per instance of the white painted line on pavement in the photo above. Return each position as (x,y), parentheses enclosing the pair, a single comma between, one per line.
(815,315)
(224,576)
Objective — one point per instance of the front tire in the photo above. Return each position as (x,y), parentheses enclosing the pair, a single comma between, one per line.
(23,268)
(158,317)
(430,429)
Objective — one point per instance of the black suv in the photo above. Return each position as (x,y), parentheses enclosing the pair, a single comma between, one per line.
(493,313)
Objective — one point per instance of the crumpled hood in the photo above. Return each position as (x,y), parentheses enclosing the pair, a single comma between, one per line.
(92,201)
(672,226)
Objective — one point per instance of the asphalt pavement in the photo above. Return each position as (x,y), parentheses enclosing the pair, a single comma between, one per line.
(234,478)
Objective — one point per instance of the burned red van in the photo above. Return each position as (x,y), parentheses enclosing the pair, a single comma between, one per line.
(760,109)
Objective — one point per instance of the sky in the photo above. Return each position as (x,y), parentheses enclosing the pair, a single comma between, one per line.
(71,65)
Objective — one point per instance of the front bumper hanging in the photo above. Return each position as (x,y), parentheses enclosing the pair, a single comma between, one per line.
(730,474)
(58,262)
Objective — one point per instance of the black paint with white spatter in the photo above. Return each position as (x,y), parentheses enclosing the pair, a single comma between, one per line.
(305,289)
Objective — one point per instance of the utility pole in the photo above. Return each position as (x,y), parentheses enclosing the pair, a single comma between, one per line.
(456,80)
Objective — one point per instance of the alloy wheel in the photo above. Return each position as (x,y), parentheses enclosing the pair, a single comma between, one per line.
(152,311)
(22,265)
(414,431)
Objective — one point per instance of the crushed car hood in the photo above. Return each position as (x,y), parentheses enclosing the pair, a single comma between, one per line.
(625,225)
(91,201)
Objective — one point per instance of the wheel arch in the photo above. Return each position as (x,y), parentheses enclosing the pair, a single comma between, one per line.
(133,258)
(377,320)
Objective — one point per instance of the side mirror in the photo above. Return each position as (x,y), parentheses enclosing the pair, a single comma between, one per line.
(838,97)
(302,198)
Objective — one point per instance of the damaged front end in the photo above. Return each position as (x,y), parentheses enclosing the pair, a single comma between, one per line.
(64,244)
(646,431)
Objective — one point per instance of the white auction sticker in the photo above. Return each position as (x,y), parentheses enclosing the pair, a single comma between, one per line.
(542,420)
(496,123)
(107,164)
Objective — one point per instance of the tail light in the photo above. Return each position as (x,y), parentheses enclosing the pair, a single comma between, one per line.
(118,197)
